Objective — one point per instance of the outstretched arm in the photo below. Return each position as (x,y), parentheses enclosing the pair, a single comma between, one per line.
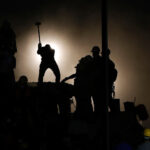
(69,77)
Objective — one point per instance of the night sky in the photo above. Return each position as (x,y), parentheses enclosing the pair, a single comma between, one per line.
(73,27)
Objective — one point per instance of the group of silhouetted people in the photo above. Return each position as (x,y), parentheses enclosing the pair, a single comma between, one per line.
(94,79)
(31,114)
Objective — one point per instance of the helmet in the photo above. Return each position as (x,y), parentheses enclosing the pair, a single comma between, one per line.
(95,49)
(47,46)
(147,132)
(23,78)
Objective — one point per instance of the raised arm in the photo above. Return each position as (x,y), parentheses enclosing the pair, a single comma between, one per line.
(39,48)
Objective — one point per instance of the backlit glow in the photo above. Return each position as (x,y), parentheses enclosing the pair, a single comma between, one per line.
(57,47)
(33,60)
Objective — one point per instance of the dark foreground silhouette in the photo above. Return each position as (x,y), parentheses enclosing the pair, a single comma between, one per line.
(38,115)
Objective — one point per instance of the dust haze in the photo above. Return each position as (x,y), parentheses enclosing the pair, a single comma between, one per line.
(74,28)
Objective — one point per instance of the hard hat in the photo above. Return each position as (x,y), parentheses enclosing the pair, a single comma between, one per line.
(47,46)
(95,49)
(147,132)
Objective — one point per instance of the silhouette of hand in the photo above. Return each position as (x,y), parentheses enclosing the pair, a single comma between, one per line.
(39,45)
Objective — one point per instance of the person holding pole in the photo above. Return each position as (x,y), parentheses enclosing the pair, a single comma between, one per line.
(48,60)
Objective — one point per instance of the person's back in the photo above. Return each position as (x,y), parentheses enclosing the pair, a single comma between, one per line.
(97,59)
(47,53)
(7,51)
(109,74)
(7,38)
(109,70)
(96,67)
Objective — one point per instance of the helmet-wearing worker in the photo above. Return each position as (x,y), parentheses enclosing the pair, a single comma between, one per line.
(95,51)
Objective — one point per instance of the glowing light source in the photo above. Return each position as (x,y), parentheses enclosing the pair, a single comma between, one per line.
(55,44)
(33,60)
(57,49)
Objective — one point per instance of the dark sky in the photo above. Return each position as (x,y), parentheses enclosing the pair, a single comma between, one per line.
(74,27)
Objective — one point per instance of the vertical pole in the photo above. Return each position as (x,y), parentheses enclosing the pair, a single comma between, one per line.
(104,49)
(104,27)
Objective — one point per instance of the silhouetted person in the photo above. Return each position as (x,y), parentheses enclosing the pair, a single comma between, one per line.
(7,78)
(7,38)
(22,95)
(48,61)
(82,86)
(141,112)
(97,81)
(110,71)
(110,76)
(104,75)
(23,110)
(103,78)
(7,50)
(22,88)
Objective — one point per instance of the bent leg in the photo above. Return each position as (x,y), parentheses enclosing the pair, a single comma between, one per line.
(41,72)
(56,72)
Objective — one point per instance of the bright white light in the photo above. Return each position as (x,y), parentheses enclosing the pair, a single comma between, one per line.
(56,46)
(57,49)
(33,60)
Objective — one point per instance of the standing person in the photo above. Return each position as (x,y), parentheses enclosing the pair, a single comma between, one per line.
(7,64)
(47,61)
(102,81)
(104,75)
(82,87)
(97,80)
(7,50)
(7,38)
(109,77)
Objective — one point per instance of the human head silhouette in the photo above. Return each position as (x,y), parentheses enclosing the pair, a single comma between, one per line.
(95,51)
(23,80)
(47,46)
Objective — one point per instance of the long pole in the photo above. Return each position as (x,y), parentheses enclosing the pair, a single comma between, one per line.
(38,26)
(104,27)
(104,51)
